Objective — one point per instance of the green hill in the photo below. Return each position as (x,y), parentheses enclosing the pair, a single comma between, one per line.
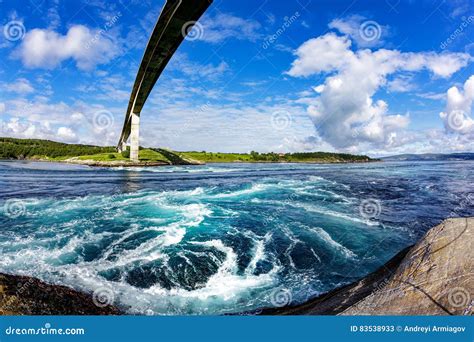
(36,149)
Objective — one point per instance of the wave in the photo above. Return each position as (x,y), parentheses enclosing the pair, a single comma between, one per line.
(321,233)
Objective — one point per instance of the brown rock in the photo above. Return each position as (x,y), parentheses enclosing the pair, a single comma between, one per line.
(435,278)
(20,295)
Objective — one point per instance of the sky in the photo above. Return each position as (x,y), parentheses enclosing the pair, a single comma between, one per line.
(359,76)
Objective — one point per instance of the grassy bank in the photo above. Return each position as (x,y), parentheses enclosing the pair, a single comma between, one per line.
(255,157)
(37,149)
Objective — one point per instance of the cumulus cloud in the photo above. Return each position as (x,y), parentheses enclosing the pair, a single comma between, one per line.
(45,48)
(457,115)
(66,134)
(345,112)
(78,122)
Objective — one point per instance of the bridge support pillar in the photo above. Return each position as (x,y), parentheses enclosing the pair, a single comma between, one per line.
(134,137)
(122,147)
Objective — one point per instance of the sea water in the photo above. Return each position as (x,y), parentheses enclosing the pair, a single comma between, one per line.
(219,238)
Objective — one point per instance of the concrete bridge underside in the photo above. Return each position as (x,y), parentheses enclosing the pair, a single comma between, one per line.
(176,19)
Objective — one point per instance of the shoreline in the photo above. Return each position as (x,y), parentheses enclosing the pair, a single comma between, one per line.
(408,284)
(112,164)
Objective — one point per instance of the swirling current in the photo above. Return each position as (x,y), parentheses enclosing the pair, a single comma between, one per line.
(220,238)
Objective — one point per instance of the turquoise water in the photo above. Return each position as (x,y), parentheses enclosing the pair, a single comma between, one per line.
(221,238)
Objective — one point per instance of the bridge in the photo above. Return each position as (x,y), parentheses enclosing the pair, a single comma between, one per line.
(176,20)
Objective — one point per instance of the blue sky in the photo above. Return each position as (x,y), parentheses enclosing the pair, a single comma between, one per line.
(373,77)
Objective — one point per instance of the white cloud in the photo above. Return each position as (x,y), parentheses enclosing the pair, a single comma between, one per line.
(2,107)
(457,116)
(224,26)
(345,113)
(19,129)
(325,53)
(401,84)
(20,86)
(224,128)
(53,17)
(44,48)
(196,71)
(66,134)
(41,119)
(432,96)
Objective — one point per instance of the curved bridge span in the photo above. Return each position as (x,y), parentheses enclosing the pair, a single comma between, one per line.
(175,21)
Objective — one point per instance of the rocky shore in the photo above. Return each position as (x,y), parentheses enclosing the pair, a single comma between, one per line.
(21,295)
(114,163)
(433,277)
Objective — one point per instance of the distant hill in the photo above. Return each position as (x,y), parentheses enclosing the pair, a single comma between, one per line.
(430,157)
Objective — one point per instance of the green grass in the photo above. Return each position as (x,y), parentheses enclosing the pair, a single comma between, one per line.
(216,157)
(145,155)
(11,148)
(255,157)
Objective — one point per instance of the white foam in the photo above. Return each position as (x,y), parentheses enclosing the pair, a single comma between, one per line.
(225,284)
(255,188)
(258,254)
(329,240)
(328,212)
